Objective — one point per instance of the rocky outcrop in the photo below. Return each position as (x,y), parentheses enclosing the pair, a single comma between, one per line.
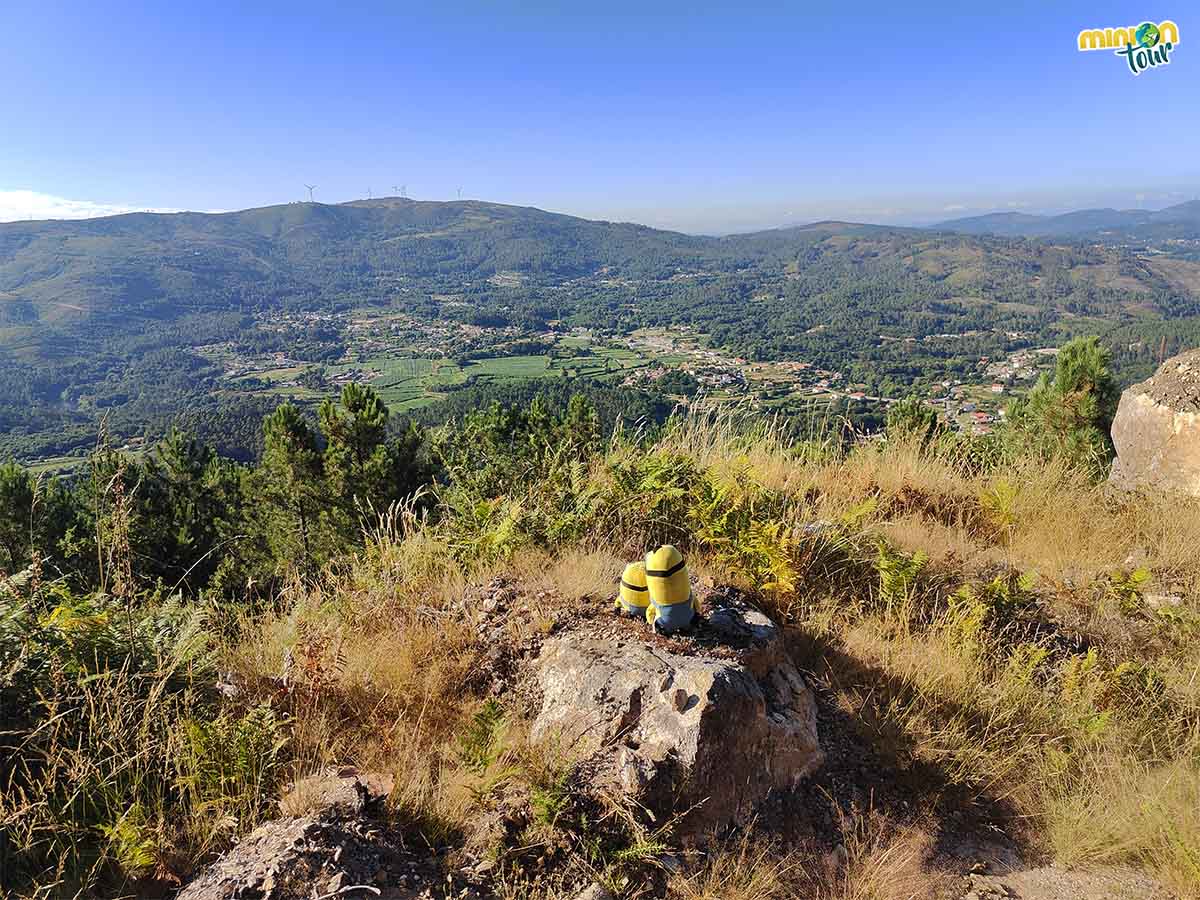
(1156,431)
(707,724)
(336,847)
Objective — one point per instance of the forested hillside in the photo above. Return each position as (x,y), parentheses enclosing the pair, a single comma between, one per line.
(117,318)
(1180,223)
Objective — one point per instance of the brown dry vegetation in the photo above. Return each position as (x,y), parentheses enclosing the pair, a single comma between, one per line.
(1093,708)
(1082,700)
(993,639)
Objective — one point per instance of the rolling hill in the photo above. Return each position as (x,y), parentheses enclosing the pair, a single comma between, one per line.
(118,317)
(145,269)
(159,265)
(1181,221)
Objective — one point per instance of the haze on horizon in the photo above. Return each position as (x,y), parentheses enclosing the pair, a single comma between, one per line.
(712,119)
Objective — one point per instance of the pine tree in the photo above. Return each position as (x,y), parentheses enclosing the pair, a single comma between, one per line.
(1069,415)
(191,507)
(356,432)
(366,471)
(290,482)
(912,418)
(16,516)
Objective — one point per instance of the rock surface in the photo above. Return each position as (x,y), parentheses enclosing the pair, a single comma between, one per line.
(707,724)
(1156,431)
(1052,883)
(335,849)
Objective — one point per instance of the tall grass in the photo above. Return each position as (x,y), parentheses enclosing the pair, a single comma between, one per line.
(992,625)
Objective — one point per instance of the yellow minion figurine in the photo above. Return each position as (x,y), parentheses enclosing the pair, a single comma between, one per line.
(672,606)
(633,597)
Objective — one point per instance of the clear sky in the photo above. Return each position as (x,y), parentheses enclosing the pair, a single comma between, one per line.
(703,117)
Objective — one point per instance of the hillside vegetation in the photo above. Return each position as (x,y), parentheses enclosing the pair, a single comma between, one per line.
(1180,222)
(118,318)
(1000,643)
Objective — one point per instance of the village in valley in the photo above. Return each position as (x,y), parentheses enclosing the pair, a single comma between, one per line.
(412,361)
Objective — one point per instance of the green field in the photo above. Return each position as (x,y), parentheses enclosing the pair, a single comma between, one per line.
(507,367)
(407,382)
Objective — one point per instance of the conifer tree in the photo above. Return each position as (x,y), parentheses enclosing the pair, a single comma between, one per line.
(290,481)
(1069,415)
(16,516)
(366,471)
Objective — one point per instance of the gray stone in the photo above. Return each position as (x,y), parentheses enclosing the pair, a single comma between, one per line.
(1156,430)
(596,892)
(713,731)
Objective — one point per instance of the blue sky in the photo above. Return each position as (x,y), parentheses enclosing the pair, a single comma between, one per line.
(703,117)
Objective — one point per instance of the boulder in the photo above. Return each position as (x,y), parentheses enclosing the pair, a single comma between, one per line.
(1156,431)
(706,725)
(334,848)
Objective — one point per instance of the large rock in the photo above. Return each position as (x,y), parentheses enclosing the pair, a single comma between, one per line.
(333,847)
(710,723)
(1157,429)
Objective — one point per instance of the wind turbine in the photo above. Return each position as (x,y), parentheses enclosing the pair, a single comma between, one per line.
(460,193)
(311,188)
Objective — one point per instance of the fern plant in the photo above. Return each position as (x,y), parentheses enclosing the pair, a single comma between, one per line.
(899,574)
(481,751)
(230,764)
(1126,587)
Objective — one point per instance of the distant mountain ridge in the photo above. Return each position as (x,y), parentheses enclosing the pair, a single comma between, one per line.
(114,272)
(141,316)
(159,265)
(1179,221)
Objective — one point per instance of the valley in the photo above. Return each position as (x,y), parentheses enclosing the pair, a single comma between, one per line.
(205,321)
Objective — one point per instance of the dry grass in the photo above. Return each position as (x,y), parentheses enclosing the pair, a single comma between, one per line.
(927,698)
(1125,811)
(376,666)
(382,659)
(881,861)
(376,663)
(740,871)
(1063,526)
(573,574)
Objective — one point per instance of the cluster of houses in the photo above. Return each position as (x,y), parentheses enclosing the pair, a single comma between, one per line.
(1023,365)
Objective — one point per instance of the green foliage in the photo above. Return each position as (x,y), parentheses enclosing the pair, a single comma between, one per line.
(230,765)
(972,454)
(983,610)
(742,525)
(1069,416)
(652,494)
(133,841)
(91,698)
(482,752)
(912,419)
(506,448)
(899,573)
(1127,587)
(36,514)
(821,294)
(519,476)
(291,482)
(366,471)
(480,746)
(550,801)
(1081,687)
(999,504)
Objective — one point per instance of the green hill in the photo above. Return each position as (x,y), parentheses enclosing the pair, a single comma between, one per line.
(118,317)
(1179,222)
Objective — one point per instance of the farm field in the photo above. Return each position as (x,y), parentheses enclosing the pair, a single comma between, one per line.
(406,378)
